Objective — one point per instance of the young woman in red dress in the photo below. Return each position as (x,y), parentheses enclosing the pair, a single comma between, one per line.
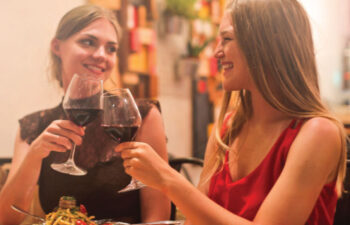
(279,158)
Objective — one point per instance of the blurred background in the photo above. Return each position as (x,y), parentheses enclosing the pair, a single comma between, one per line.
(166,54)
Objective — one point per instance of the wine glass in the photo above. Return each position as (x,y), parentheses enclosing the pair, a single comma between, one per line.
(121,120)
(82,104)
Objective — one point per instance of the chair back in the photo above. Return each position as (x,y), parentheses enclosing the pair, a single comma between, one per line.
(179,165)
(5,164)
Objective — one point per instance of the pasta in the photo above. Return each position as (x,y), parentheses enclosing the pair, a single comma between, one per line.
(69,214)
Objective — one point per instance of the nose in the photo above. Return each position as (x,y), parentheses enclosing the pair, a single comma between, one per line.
(100,54)
(219,51)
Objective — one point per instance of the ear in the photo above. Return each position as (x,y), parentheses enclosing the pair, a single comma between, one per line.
(55,46)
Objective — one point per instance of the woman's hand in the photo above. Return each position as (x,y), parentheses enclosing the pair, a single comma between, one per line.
(59,136)
(144,164)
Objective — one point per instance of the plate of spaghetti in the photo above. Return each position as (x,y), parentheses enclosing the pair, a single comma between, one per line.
(68,213)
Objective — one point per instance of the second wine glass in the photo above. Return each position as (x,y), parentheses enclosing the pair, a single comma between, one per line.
(121,120)
(82,104)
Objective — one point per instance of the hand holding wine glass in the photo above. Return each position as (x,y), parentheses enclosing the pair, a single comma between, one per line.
(82,104)
(121,120)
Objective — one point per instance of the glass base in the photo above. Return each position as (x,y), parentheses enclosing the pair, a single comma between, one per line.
(68,168)
(132,186)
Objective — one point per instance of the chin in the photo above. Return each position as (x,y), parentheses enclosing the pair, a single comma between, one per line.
(229,87)
(101,76)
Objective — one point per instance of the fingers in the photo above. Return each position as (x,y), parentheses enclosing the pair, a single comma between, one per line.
(58,140)
(63,132)
(59,136)
(131,153)
(69,125)
(129,170)
(130,150)
(130,162)
(133,166)
(55,147)
(126,145)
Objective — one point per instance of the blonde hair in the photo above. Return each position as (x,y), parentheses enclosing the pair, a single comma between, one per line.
(275,38)
(74,21)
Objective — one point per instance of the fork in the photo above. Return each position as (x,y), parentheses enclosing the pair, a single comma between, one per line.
(16,208)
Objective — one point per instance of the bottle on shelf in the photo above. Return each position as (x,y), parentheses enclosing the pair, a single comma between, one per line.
(346,65)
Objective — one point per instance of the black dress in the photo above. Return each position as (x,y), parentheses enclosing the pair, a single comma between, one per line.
(98,190)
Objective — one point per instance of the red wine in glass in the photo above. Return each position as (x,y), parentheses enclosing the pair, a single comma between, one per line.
(121,120)
(82,117)
(121,134)
(82,104)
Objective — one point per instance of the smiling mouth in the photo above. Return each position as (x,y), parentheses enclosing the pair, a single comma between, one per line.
(227,66)
(95,69)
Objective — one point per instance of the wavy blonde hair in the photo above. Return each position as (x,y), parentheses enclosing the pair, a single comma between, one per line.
(74,21)
(275,38)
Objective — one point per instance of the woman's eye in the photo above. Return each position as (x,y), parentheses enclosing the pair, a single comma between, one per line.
(87,42)
(111,49)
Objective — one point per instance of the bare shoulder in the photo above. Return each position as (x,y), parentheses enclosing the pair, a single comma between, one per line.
(153,115)
(322,124)
(152,132)
(152,122)
(321,130)
(317,144)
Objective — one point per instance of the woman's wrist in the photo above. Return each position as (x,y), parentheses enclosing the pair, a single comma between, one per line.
(172,181)
(34,155)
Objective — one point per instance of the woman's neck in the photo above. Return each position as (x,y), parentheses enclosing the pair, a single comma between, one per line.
(263,112)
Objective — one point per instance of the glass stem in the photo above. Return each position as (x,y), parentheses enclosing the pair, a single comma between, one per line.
(71,155)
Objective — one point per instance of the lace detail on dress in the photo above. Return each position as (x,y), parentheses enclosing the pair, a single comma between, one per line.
(34,124)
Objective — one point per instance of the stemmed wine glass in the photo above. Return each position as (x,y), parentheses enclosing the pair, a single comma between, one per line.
(121,120)
(82,104)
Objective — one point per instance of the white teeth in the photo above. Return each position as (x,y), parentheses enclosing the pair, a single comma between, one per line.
(95,68)
(227,66)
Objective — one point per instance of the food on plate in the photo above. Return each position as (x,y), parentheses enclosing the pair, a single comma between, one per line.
(68,213)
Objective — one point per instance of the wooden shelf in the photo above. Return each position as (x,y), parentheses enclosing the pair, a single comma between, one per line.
(136,54)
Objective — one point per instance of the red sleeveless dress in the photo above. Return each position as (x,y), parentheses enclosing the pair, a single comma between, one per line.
(245,196)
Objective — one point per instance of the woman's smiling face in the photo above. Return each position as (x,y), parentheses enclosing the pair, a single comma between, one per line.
(236,75)
(90,51)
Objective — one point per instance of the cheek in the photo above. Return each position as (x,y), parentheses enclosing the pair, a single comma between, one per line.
(238,79)
(72,55)
(112,60)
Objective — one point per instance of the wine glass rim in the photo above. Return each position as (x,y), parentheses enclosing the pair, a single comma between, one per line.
(87,77)
(109,92)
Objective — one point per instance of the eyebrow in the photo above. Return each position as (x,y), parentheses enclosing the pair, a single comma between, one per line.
(227,31)
(95,38)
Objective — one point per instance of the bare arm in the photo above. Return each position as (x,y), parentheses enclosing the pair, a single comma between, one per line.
(203,185)
(311,163)
(154,204)
(26,164)
(19,186)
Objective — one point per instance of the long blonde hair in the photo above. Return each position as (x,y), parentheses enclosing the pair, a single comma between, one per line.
(74,21)
(275,38)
